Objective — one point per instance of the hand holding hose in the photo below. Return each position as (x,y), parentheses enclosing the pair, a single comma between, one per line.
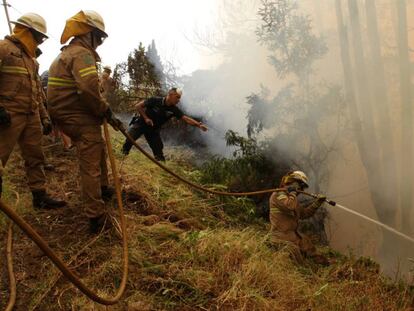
(321,198)
(112,120)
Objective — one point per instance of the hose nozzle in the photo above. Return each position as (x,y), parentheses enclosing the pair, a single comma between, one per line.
(330,202)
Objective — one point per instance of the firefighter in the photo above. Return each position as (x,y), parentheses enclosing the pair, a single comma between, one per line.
(153,113)
(22,111)
(78,109)
(107,84)
(286,212)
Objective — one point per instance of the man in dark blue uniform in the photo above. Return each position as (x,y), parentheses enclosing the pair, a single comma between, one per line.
(153,113)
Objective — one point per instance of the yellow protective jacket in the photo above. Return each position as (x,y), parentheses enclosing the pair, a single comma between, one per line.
(286,211)
(73,91)
(20,87)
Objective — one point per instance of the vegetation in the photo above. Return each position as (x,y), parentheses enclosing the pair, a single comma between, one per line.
(139,77)
(188,251)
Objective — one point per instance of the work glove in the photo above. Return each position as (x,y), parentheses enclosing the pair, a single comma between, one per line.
(291,190)
(321,198)
(112,120)
(47,126)
(5,119)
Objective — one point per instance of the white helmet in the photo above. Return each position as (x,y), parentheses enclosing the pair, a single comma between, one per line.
(33,21)
(95,20)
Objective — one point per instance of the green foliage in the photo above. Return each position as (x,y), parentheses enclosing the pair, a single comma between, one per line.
(142,73)
(251,168)
(138,78)
(306,119)
(288,34)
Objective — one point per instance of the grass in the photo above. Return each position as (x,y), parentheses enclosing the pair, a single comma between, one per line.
(188,251)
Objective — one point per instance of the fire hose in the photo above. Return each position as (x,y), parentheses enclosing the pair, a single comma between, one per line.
(204,189)
(71,276)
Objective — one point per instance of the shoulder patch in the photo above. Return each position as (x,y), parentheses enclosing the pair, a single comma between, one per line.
(88,59)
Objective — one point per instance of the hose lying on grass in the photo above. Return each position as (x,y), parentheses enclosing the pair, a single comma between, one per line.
(71,276)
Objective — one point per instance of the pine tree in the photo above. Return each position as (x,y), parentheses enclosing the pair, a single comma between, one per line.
(155,59)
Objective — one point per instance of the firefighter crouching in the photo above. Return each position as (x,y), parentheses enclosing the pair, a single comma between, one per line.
(77,107)
(286,212)
(22,113)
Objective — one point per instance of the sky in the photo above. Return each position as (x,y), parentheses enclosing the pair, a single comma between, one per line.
(170,23)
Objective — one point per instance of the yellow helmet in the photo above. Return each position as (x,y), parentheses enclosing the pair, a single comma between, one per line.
(33,21)
(95,20)
(295,176)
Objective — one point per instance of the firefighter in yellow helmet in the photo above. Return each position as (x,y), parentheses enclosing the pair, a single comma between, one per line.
(77,107)
(22,111)
(286,212)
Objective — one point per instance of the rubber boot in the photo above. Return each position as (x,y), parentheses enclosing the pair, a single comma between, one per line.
(43,201)
(107,193)
(126,148)
(49,167)
(160,158)
(97,224)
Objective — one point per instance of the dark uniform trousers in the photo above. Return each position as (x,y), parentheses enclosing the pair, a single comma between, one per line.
(152,136)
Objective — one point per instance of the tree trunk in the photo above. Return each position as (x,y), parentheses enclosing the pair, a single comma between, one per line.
(385,209)
(406,118)
(380,96)
(364,131)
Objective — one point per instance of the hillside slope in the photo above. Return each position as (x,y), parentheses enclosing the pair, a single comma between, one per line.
(188,251)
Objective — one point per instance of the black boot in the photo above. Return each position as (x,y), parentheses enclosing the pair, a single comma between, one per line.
(97,224)
(49,167)
(126,148)
(107,193)
(42,200)
(160,158)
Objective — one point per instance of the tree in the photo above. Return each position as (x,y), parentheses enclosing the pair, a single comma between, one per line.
(305,120)
(154,58)
(407,128)
(297,117)
(142,73)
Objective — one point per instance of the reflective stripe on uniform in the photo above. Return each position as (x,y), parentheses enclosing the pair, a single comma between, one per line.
(282,196)
(275,210)
(53,81)
(88,71)
(14,69)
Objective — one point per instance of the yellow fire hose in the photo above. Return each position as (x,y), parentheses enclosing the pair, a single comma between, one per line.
(12,278)
(191,184)
(71,276)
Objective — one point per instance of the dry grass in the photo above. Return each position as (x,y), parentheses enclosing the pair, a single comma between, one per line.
(188,251)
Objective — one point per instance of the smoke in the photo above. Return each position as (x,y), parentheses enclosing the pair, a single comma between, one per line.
(219,94)
(361,158)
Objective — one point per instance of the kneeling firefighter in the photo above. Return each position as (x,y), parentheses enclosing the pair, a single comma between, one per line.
(286,212)
(22,111)
(77,107)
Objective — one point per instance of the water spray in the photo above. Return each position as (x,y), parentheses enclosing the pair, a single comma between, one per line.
(390,229)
